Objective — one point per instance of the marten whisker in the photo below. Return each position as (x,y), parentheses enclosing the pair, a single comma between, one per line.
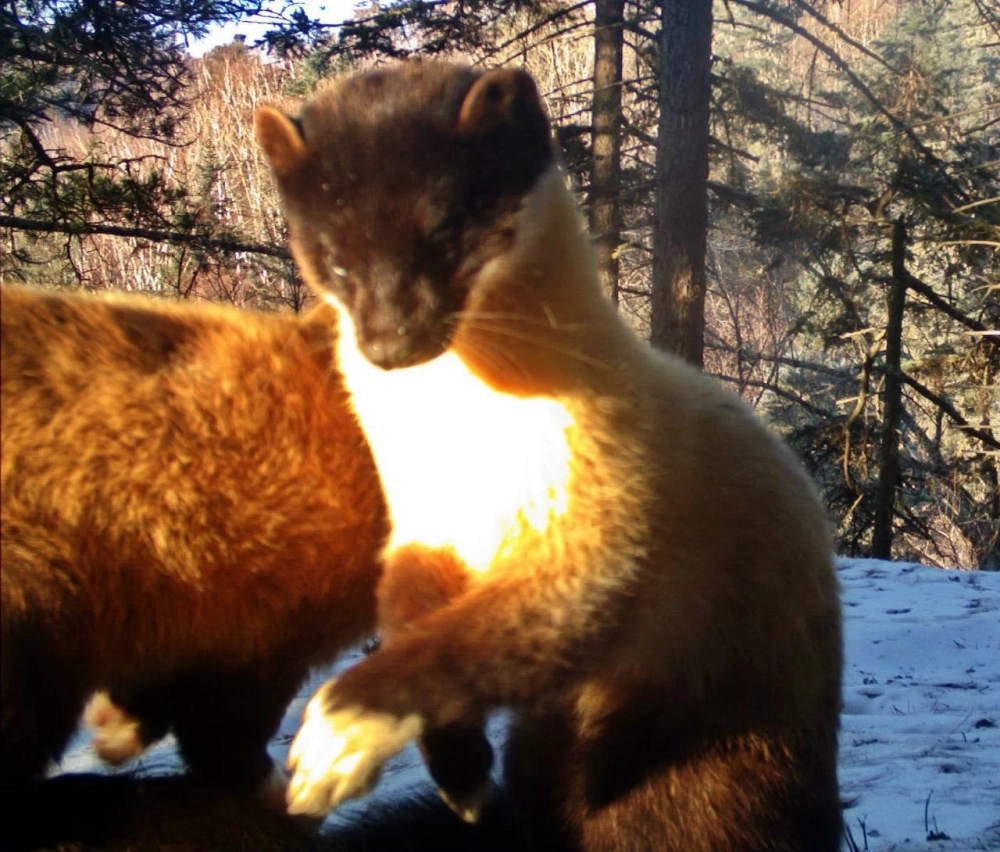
(505,329)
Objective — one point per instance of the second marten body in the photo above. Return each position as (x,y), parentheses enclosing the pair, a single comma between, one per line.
(191,520)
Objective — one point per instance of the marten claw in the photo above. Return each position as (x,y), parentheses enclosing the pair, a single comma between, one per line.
(339,755)
(469,806)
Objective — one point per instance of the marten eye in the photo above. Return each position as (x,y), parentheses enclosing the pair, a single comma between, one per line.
(433,257)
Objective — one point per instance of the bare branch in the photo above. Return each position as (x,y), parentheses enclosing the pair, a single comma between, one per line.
(176,237)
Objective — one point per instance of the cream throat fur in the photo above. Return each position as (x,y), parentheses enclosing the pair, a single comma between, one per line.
(438,433)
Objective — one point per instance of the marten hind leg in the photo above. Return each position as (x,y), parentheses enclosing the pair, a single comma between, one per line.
(46,643)
(626,789)
(223,720)
(415,582)
(230,752)
(42,700)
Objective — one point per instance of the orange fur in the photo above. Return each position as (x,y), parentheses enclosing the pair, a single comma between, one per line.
(191,519)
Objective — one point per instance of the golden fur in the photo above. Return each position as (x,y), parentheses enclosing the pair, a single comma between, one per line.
(648,573)
(191,519)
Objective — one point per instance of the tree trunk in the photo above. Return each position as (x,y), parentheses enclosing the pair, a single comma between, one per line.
(605,176)
(892,407)
(681,222)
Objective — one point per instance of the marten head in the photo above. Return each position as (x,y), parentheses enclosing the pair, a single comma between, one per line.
(399,186)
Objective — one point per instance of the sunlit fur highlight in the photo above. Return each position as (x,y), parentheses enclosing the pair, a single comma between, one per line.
(518,445)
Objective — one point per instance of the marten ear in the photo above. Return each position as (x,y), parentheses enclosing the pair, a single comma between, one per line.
(281,138)
(505,97)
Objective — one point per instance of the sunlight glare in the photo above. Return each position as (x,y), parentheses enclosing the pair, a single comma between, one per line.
(462,465)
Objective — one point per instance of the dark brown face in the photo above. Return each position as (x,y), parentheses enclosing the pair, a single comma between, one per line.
(412,181)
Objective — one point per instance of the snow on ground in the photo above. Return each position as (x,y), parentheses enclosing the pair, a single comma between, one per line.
(920,731)
(920,738)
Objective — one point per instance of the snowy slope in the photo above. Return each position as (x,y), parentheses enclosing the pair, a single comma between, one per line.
(920,740)
(921,721)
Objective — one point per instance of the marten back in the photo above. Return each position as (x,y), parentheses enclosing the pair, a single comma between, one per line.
(648,572)
(191,519)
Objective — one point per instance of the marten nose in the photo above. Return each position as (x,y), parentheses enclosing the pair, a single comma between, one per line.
(402,346)
(400,319)
(389,349)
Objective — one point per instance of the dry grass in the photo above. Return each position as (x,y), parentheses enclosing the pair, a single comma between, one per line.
(227,193)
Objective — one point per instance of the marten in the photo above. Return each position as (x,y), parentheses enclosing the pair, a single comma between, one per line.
(648,578)
(191,519)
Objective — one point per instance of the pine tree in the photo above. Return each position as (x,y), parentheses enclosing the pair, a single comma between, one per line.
(88,64)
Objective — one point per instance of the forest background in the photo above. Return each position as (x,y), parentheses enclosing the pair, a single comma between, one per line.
(803,196)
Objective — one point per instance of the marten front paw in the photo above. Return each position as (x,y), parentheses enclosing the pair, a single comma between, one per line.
(117,735)
(338,754)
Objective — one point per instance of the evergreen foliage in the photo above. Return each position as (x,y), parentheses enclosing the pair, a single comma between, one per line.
(112,70)
(907,133)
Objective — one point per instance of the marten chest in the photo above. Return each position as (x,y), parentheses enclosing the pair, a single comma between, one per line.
(462,466)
